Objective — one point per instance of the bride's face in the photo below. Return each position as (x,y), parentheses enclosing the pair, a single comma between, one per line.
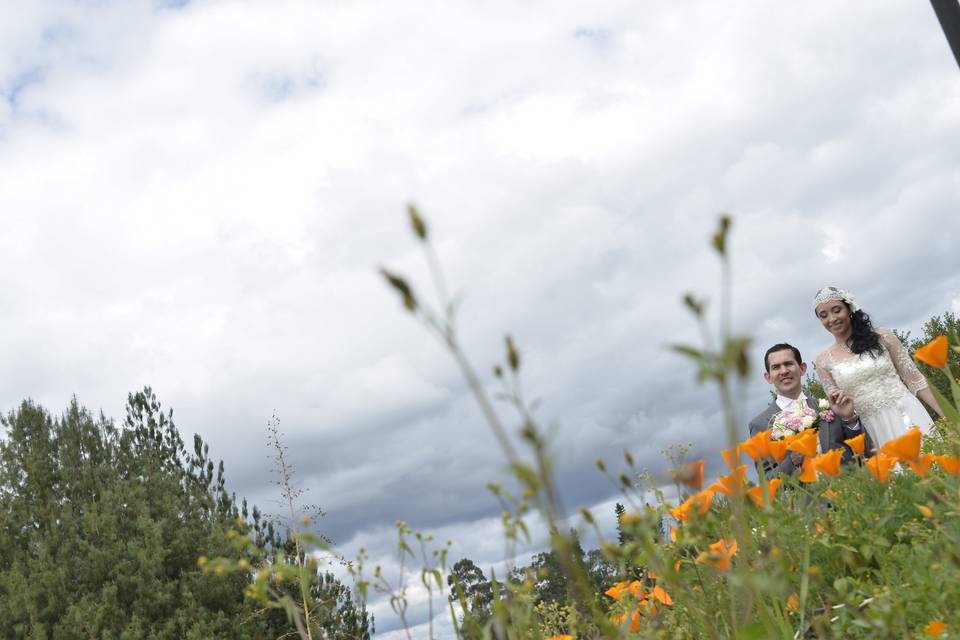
(835,317)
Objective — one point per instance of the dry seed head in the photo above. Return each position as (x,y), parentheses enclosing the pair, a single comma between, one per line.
(401,286)
(416,221)
(513,358)
(693,304)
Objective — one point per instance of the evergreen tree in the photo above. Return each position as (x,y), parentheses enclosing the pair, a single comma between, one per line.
(946,325)
(467,579)
(620,512)
(101,528)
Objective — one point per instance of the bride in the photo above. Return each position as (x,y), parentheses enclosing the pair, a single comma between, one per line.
(872,368)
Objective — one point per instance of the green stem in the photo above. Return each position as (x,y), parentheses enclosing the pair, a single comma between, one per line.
(804,583)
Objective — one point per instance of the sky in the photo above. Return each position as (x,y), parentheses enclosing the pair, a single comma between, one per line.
(197,196)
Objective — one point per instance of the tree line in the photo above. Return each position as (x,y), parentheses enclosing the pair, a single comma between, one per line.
(102,526)
(478,595)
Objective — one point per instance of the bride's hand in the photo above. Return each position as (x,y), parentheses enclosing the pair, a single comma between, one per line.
(842,403)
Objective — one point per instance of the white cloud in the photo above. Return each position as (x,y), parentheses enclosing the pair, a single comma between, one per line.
(198,197)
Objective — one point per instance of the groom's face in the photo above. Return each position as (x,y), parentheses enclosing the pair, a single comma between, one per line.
(785,373)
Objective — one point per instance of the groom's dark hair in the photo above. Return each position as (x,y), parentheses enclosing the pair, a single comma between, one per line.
(783,346)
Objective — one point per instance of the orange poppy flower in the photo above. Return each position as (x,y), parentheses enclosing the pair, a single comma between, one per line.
(701,501)
(778,449)
(829,494)
(950,464)
(856,444)
(690,474)
(797,435)
(636,590)
(880,465)
(681,512)
(935,628)
(616,591)
(730,484)
(661,594)
(756,494)
(923,464)
(934,353)
(793,602)
(561,637)
(906,447)
(809,473)
(634,620)
(758,446)
(647,608)
(805,444)
(819,527)
(731,456)
(720,554)
(829,462)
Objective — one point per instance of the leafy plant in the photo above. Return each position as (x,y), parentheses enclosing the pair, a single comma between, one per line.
(864,551)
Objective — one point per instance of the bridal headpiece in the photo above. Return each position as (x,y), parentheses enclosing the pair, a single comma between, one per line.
(827,294)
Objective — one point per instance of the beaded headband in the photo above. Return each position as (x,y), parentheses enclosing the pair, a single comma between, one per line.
(827,294)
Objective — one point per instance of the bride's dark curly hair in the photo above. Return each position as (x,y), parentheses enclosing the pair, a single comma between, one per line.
(863,338)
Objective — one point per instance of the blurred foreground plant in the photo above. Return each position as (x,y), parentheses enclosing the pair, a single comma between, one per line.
(857,552)
(285,575)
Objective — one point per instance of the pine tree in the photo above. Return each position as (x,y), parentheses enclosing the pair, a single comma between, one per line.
(946,325)
(101,528)
(620,512)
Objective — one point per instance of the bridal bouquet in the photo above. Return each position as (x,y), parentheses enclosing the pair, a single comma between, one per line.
(799,417)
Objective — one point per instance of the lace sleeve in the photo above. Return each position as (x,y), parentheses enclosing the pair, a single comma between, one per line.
(826,379)
(902,362)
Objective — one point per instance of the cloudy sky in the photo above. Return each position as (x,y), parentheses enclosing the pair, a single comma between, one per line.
(197,195)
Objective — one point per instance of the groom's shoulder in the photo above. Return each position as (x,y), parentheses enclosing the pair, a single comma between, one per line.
(761,420)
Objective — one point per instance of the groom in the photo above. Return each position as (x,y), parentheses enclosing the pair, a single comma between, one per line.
(784,370)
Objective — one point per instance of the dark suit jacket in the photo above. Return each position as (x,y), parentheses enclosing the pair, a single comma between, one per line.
(832,435)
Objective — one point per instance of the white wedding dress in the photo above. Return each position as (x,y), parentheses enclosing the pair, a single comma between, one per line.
(883,388)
